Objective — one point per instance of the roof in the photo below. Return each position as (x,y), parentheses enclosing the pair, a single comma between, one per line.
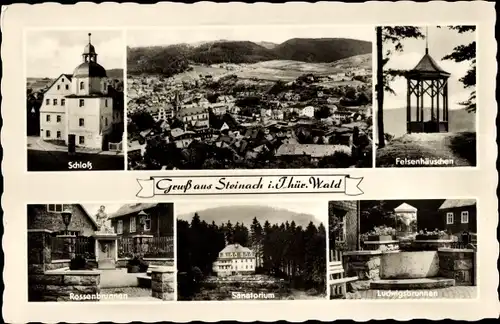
(69,76)
(428,67)
(88,214)
(235,248)
(191,111)
(89,49)
(90,69)
(455,203)
(404,207)
(132,209)
(313,150)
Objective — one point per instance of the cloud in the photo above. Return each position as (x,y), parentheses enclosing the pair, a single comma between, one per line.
(49,54)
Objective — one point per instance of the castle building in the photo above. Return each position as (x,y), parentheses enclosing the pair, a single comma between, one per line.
(77,108)
(234,259)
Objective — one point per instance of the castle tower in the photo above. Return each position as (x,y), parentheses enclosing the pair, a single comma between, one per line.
(89,77)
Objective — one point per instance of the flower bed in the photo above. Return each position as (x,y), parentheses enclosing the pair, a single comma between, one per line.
(379,233)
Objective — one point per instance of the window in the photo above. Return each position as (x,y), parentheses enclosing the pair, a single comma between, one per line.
(47,101)
(54,102)
(58,87)
(58,118)
(119,227)
(106,121)
(81,140)
(67,87)
(56,208)
(82,85)
(82,102)
(132,224)
(147,223)
(63,102)
(449,218)
(81,122)
(58,134)
(47,133)
(106,103)
(464,217)
(47,118)
(339,225)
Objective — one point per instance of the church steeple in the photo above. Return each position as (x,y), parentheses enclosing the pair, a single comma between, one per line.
(89,53)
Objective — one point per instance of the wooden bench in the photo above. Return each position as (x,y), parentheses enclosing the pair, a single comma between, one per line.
(337,282)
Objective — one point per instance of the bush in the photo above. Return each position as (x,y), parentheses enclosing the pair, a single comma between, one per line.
(139,263)
(79,263)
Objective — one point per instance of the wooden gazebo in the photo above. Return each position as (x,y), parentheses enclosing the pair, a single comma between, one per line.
(427,80)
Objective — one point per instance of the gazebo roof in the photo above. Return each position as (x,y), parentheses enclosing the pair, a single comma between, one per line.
(427,68)
(404,207)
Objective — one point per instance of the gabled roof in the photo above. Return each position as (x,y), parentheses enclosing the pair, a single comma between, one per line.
(428,67)
(404,207)
(235,248)
(68,76)
(132,209)
(455,203)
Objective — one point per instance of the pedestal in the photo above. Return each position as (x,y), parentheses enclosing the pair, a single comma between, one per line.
(106,251)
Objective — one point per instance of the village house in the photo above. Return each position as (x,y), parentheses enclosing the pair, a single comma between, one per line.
(344,217)
(307,112)
(48,217)
(143,218)
(459,215)
(314,152)
(196,116)
(77,108)
(234,259)
(161,112)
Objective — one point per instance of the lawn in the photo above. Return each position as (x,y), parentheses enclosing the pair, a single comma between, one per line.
(59,161)
(459,147)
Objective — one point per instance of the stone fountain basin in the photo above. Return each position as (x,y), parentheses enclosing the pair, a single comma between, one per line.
(409,265)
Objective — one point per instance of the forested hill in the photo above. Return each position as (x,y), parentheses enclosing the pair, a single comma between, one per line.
(174,59)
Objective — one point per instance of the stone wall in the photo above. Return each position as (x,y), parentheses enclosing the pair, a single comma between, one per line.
(225,288)
(122,263)
(162,283)
(351,221)
(40,218)
(381,245)
(363,264)
(66,285)
(430,245)
(458,264)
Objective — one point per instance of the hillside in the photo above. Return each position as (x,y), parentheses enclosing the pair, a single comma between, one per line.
(245,215)
(321,49)
(173,59)
(459,121)
(41,83)
(115,74)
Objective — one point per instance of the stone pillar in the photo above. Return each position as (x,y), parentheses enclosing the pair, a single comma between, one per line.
(458,264)
(39,256)
(363,264)
(162,283)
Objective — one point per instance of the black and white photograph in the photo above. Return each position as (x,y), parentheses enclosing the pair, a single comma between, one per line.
(251,251)
(243,97)
(403,249)
(75,99)
(101,252)
(426,96)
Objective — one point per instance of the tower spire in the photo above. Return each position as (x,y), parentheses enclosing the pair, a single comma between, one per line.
(89,38)
(426,40)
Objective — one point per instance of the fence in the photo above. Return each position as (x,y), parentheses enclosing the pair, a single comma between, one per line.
(63,248)
(154,247)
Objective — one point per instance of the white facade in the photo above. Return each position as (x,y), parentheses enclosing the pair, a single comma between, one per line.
(78,106)
(234,259)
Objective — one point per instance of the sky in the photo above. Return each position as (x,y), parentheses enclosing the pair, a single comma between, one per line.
(441,42)
(109,208)
(319,209)
(49,53)
(274,34)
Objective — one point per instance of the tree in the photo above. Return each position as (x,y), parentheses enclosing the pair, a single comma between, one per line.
(392,36)
(462,53)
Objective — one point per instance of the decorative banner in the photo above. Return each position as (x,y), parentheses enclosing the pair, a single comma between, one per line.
(211,185)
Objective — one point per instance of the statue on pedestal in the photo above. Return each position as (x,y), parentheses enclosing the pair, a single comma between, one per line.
(102,221)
